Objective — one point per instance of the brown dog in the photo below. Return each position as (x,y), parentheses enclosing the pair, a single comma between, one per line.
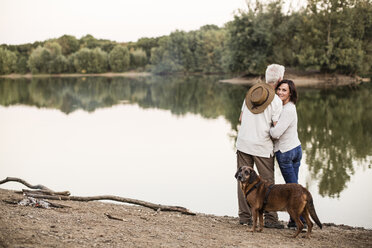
(291,197)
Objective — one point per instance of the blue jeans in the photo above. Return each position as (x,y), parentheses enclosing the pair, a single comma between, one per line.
(289,163)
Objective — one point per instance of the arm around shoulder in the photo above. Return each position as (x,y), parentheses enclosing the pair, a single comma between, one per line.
(285,120)
(277,108)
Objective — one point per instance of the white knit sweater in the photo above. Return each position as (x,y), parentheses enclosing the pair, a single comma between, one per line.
(285,131)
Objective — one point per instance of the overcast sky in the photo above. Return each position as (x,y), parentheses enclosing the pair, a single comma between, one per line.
(25,21)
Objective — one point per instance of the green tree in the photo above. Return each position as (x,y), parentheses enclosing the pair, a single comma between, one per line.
(88,41)
(138,58)
(38,62)
(8,61)
(209,49)
(48,59)
(162,61)
(69,44)
(54,48)
(21,66)
(59,64)
(107,45)
(119,59)
(252,38)
(90,61)
(336,36)
(362,29)
(147,44)
(174,54)
(194,51)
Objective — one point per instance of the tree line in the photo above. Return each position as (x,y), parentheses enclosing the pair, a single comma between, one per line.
(332,36)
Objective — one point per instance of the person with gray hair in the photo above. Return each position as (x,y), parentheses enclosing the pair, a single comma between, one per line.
(274,74)
(261,109)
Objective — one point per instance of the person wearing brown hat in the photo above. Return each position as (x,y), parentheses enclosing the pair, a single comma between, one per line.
(261,109)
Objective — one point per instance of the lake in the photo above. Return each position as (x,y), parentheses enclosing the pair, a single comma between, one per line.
(171,140)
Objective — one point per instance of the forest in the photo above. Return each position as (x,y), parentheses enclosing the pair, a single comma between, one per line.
(327,36)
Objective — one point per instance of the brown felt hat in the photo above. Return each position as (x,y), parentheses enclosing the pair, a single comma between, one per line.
(258,97)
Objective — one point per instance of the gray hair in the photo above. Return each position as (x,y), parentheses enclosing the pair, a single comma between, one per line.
(274,73)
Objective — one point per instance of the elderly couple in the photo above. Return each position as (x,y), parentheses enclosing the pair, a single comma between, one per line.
(265,117)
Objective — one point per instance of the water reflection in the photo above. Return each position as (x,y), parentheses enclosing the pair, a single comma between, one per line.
(336,132)
(180,95)
(334,125)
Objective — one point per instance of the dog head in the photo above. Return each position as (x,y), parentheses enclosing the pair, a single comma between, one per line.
(246,174)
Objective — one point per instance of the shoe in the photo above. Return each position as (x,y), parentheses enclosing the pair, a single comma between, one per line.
(305,228)
(246,222)
(292,225)
(274,224)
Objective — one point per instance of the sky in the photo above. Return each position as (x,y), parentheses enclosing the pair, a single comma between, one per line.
(27,21)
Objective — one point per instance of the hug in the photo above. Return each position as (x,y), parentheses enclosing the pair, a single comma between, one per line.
(268,130)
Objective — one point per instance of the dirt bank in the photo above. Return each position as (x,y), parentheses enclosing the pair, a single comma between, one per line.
(84,224)
(107,74)
(302,79)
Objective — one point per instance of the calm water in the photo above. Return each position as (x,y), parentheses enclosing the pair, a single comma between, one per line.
(171,141)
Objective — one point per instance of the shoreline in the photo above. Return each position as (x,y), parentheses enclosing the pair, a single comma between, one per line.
(87,224)
(312,80)
(63,75)
(301,79)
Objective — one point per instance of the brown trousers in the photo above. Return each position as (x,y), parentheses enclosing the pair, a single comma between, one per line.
(265,167)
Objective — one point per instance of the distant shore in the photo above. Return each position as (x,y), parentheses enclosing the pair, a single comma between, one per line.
(106,74)
(301,79)
(306,80)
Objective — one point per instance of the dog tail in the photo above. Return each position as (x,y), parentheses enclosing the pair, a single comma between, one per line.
(311,208)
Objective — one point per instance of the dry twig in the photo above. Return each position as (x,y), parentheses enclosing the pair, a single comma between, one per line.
(113,217)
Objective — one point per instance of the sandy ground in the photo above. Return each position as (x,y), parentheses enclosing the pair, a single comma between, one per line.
(84,224)
(305,80)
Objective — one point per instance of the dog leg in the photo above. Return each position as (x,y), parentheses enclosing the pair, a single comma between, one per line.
(254,218)
(305,214)
(299,225)
(261,221)
(296,217)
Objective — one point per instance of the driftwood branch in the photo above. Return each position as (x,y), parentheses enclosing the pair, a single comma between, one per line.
(156,207)
(15,179)
(52,195)
(43,192)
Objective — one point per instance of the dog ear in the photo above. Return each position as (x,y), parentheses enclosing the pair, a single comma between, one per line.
(252,176)
(237,173)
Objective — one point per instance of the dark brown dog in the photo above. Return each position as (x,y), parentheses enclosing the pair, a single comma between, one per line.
(291,197)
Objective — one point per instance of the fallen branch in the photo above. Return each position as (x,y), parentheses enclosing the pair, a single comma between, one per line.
(43,192)
(15,179)
(156,207)
(46,193)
